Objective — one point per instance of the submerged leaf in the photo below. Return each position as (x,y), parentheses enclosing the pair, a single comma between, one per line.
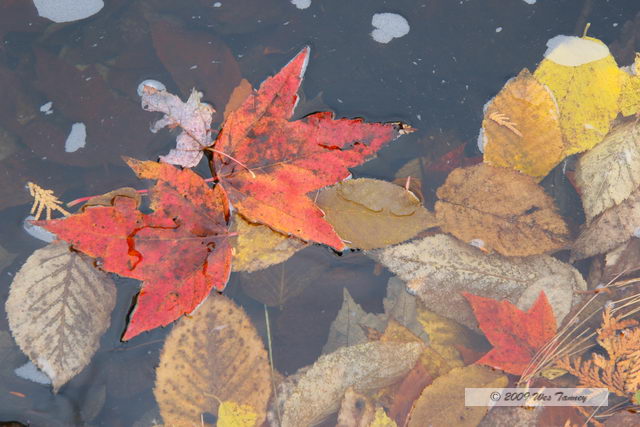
(508,211)
(58,308)
(370,213)
(213,356)
(531,142)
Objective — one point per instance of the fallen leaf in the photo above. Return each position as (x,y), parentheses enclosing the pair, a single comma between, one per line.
(107,199)
(381,419)
(610,229)
(193,117)
(630,93)
(442,403)
(622,261)
(239,94)
(231,414)
(348,328)
(608,173)
(356,410)
(315,392)
(283,160)
(438,268)
(276,285)
(586,83)
(58,307)
(258,247)
(512,416)
(407,392)
(213,356)
(508,211)
(370,213)
(180,251)
(516,335)
(530,140)
(403,307)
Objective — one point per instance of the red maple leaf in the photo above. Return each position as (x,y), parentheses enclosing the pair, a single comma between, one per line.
(180,251)
(516,335)
(285,160)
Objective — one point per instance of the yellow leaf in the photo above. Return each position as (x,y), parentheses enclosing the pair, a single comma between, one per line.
(521,128)
(232,414)
(382,420)
(587,83)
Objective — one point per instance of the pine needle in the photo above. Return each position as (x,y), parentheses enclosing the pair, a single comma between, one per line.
(44,200)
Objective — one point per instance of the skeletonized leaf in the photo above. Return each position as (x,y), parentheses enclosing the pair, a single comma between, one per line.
(258,247)
(505,209)
(521,128)
(439,268)
(370,213)
(58,308)
(612,228)
(212,356)
(610,172)
(442,403)
(315,392)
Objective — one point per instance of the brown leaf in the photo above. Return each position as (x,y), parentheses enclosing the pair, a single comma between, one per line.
(407,392)
(58,308)
(438,268)
(369,213)
(622,261)
(528,137)
(212,356)
(237,97)
(315,392)
(442,402)
(356,410)
(106,199)
(506,210)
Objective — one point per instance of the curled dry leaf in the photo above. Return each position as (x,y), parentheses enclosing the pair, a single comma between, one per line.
(508,211)
(210,357)
(610,229)
(58,308)
(438,268)
(609,172)
(531,142)
(442,402)
(274,286)
(315,392)
(258,247)
(587,90)
(370,213)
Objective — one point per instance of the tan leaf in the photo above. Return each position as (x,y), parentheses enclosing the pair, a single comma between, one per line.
(106,199)
(442,402)
(438,268)
(531,141)
(403,307)
(610,171)
(215,355)
(508,211)
(511,416)
(58,308)
(610,229)
(369,213)
(277,284)
(315,392)
(237,97)
(258,247)
(356,410)
(623,260)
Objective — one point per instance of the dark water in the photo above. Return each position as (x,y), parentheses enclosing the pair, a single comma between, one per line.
(436,78)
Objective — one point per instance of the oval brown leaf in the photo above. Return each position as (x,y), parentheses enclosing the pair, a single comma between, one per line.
(215,355)
(508,211)
(58,308)
(370,213)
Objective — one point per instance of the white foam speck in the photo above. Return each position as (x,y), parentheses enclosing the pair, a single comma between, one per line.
(46,108)
(529,1)
(301,4)
(388,26)
(574,51)
(217,4)
(30,372)
(77,138)
(498,29)
(37,231)
(482,140)
(67,10)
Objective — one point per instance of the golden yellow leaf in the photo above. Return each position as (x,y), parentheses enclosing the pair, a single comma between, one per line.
(630,95)
(232,414)
(44,200)
(370,213)
(521,128)
(382,420)
(258,247)
(214,355)
(586,83)
(504,209)
(442,402)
